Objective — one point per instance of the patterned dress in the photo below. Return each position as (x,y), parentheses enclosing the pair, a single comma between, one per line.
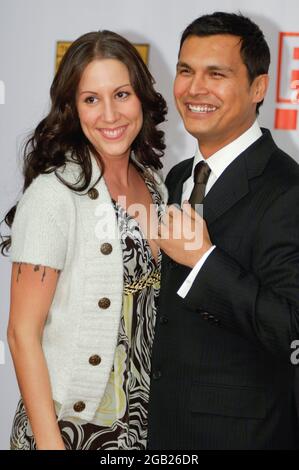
(121,418)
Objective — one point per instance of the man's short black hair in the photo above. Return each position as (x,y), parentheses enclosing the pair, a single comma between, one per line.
(254,50)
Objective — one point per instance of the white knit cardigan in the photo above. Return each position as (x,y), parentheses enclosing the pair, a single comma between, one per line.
(63,229)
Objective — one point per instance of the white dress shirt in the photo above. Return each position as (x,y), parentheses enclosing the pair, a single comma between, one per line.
(217,163)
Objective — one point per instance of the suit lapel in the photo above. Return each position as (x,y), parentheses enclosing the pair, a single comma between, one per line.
(175,190)
(230,187)
(233,184)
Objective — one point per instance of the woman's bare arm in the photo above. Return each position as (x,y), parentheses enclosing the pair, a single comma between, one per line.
(32,291)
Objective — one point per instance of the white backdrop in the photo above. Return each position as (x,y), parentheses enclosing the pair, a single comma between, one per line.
(29,30)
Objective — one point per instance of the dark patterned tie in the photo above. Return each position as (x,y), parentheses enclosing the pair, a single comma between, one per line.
(201,176)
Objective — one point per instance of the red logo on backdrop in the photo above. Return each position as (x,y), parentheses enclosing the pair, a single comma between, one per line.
(286,117)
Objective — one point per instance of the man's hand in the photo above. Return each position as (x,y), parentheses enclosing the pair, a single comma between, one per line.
(183,235)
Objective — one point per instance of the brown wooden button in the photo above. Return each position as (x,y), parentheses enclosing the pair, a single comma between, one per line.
(93,193)
(104,303)
(95,360)
(79,406)
(106,248)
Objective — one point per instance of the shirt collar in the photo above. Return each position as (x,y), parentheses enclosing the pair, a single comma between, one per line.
(220,160)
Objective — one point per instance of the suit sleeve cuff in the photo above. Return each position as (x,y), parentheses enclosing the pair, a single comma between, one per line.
(186,286)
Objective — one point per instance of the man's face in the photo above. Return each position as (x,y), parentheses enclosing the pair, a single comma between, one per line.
(212,91)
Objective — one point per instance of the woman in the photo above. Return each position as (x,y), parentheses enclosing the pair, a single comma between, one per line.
(85,274)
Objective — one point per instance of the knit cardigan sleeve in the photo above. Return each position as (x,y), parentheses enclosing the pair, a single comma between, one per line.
(40,228)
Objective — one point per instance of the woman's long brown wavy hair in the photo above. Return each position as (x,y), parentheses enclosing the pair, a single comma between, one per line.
(59,137)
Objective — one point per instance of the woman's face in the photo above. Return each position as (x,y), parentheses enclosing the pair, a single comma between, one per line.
(109,110)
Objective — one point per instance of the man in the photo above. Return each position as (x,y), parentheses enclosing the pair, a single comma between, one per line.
(222,377)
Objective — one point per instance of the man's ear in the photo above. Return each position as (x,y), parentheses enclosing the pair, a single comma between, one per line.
(260,87)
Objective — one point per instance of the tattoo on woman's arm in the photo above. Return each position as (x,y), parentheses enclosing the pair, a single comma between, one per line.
(35,268)
(19,271)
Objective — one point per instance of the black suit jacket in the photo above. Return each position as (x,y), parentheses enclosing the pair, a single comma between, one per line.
(221,371)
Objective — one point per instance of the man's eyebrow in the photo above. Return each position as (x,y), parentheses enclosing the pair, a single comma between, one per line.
(222,68)
(183,65)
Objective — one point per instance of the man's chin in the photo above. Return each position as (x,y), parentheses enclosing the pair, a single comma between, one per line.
(197,134)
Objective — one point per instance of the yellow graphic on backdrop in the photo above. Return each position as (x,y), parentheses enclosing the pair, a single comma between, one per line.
(62,47)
